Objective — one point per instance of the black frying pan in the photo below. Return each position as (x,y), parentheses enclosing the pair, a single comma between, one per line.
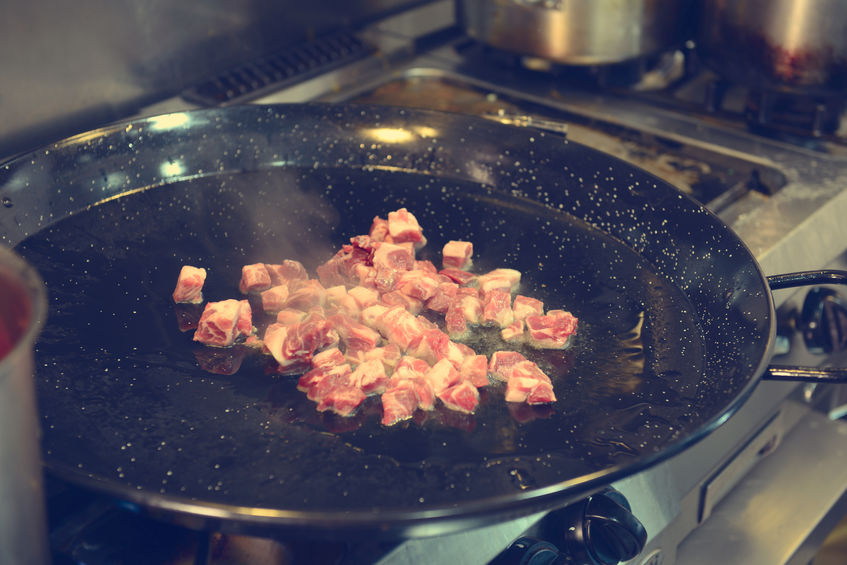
(676,319)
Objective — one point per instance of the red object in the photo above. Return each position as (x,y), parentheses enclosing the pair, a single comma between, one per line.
(457,255)
(254,278)
(189,285)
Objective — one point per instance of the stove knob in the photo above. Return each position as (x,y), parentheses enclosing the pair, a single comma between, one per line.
(531,551)
(600,531)
(823,321)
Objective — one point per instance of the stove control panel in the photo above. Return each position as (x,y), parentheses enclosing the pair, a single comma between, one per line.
(600,530)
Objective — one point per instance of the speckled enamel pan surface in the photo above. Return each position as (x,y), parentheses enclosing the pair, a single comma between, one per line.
(676,318)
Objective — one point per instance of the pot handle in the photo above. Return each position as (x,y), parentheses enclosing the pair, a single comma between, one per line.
(806,374)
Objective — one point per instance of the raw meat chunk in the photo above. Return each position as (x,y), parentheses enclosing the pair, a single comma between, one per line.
(409,367)
(458,276)
(513,332)
(442,376)
(254,278)
(371,314)
(353,334)
(289,270)
(457,255)
(499,279)
(297,343)
(392,257)
(426,266)
(462,397)
(309,381)
(399,403)
(403,227)
(527,383)
(417,284)
(399,327)
(379,230)
(189,285)
(442,298)
(364,296)
(343,400)
(288,316)
(328,358)
(502,363)
(397,298)
(302,295)
(275,298)
(474,369)
(497,308)
(223,322)
(552,330)
(370,377)
(524,306)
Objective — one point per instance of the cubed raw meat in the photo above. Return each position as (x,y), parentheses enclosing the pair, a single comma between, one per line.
(409,367)
(189,285)
(379,230)
(328,358)
(371,314)
(417,284)
(514,332)
(458,276)
(222,322)
(442,376)
(397,298)
(502,363)
(364,296)
(399,327)
(426,266)
(403,227)
(343,400)
(461,397)
(499,279)
(398,404)
(370,377)
(528,383)
(288,316)
(497,308)
(254,278)
(524,306)
(551,331)
(275,298)
(474,369)
(442,298)
(288,270)
(353,334)
(303,295)
(457,255)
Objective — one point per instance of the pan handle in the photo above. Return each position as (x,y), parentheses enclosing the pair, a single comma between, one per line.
(806,374)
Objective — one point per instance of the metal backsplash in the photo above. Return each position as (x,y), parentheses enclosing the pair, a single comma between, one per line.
(70,66)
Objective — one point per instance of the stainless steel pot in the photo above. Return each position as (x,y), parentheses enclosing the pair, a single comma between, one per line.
(23,308)
(788,45)
(575,32)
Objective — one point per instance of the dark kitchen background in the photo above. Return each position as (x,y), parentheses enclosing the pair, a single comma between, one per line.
(755,132)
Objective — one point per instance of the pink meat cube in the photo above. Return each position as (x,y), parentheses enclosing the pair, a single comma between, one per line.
(353,334)
(371,314)
(458,276)
(303,295)
(397,298)
(254,278)
(403,227)
(499,279)
(244,324)
(497,308)
(328,358)
(442,298)
(221,323)
(513,332)
(389,355)
(502,363)
(379,230)
(393,257)
(288,316)
(364,296)
(457,255)
(289,270)
(296,344)
(528,383)
(524,306)
(455,323)
(409,367)
(399,327)
(462,397)
(474,369)
(398,404)
(309,381)
(189,285)
(426,266)
(551,331)
(417,284)
(442,376)
(370,377)
(343,400)
(275,298)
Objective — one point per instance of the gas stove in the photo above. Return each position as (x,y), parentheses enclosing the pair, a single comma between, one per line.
(769,484)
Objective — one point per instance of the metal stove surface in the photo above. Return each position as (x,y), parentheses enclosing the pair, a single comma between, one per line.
(758,461)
